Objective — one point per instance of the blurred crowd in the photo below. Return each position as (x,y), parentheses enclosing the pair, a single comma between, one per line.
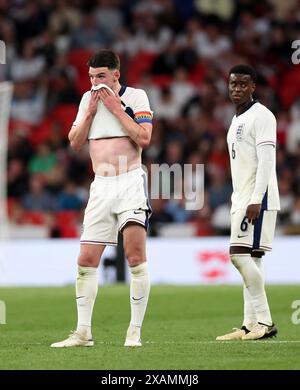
(179,52)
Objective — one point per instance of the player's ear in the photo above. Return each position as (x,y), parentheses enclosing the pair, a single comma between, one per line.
(116,75)
(253,86)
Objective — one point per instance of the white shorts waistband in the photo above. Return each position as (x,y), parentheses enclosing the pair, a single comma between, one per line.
(125,175)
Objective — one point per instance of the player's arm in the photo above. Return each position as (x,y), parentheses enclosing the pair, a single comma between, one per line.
(266,158)
(139,133)
(266,162)
(79,132)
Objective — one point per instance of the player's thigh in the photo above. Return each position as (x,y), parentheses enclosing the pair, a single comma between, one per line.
(241,230)
(267,231)
(99,223)
(134,241)
(90,254)
(258,237)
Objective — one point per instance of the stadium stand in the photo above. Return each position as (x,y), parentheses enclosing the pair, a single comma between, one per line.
(181,56)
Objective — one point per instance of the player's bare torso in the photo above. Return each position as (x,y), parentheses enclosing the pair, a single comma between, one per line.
(113,156)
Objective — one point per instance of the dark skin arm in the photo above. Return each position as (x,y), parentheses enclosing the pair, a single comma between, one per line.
(252,212)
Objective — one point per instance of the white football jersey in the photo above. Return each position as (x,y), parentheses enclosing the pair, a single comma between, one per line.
(105,125)
(254,127)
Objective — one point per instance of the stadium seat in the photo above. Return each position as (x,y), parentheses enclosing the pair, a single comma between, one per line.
(79,58)
(19,126)
(162,80)
(139,64)
(65,114)
(67,223)
(33,218)
(289,87)
(41,132)
(66,217)
(196,75)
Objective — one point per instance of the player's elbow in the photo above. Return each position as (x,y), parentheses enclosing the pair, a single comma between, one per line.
(144,135)
(76,145)
(74,141)
(71,136)
(144,142)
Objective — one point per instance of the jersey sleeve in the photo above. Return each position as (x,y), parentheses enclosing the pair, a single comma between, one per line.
(265,129)
(82,108)
(141,109)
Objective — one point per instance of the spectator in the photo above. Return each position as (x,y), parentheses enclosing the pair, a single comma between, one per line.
(37,198)
(68,198)
(17,178)
(28,104)
(29,65)
(180,55)
(43,161)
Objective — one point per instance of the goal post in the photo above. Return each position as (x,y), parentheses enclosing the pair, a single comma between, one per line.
(6,90)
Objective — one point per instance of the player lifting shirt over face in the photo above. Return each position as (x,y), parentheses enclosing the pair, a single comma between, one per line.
(116,121)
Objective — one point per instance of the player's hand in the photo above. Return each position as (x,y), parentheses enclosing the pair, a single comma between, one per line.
(111,101)
(252,212)
(93,103)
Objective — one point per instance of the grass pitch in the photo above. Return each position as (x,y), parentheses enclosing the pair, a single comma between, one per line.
(179,330)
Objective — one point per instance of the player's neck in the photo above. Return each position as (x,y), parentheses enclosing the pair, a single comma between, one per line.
(243,107)
(117,87)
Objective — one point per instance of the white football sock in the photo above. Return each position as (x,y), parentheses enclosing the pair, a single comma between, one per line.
(249,312)
(139,293)
(259,264)
(254,282)
(86,292)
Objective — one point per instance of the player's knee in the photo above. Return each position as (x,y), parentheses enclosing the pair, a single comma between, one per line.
(135,259)
(238,261)
(135,254)
(235,261)
(87,260)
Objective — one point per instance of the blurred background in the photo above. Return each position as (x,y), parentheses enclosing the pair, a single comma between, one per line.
(179,52)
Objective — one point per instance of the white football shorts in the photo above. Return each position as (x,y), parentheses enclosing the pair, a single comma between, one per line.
(258,236)
(114,201)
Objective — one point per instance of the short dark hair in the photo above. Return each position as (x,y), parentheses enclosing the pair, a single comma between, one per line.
(244,69)
(104,58)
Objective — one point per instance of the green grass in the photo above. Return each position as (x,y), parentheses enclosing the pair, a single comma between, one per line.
(179,330)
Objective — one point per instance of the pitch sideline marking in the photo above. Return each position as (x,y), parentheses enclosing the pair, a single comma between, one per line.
(225,341)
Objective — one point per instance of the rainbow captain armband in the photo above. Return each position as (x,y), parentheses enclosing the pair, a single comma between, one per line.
(143,117)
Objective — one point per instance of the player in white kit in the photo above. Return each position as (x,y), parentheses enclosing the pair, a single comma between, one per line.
(117,123)
(255,200)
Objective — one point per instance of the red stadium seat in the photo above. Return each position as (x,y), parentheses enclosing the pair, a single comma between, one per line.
(161,80)
(66,221)
(33,218)
(65,114)
(196,75)
(40,133)
(83,84)
(139,64)
(20,127)
(79,58)
(66,217)
(290,87)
